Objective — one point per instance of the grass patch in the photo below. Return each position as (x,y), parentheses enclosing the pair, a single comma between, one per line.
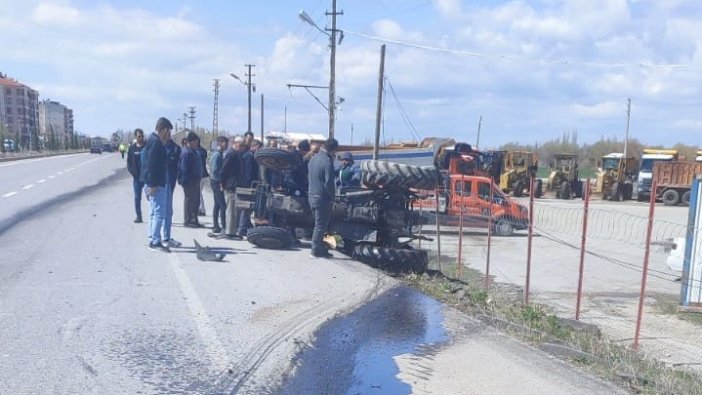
(670,306)
(503,307)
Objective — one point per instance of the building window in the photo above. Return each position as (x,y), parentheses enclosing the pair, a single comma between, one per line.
(19,91)
(9,119)
(8,91)
(8,101)
(8,110)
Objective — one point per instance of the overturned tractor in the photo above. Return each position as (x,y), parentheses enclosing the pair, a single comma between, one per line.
(374,225)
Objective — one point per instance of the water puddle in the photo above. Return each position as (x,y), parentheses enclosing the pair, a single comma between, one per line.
(355,354)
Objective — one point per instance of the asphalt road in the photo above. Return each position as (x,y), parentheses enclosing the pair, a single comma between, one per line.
(86,308)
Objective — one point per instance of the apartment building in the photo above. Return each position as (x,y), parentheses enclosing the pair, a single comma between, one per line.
(55,118)
(19,111)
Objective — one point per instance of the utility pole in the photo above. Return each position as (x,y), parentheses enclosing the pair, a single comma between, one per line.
(628,120)
(192,118)
(285,120)
(379,108)
(352,134)
(477,142)
(215,115)
(248,86)
(332,68)
(185,120)
(261,117)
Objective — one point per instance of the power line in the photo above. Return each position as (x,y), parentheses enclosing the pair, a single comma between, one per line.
(403,113)
(516,59)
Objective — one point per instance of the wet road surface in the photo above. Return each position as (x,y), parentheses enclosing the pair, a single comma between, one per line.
(355,354)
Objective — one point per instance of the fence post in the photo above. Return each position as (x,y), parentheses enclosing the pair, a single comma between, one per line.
(489,240)
(586,209)
(459,265)
(531,236)
(644,274)
(438,231)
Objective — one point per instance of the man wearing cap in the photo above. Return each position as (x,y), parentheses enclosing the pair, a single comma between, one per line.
(321,194)
(189,176)
(153,175)
(349,174)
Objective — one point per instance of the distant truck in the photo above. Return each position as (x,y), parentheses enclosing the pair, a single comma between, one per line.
(648,159)
(674,179)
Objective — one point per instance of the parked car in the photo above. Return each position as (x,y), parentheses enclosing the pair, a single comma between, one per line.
(9,145)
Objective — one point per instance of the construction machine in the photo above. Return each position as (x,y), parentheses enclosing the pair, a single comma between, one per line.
(616,176)
(518,168)
(564,178)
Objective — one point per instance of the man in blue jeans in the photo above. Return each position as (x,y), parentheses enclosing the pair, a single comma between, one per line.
(153,175)
(220,204)
(173,151)
(134,168)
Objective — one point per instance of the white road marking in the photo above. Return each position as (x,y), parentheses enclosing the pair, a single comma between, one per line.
(59,173)
(28,186)
(208,334)
(13,193)
(41,181)
(31,160)
(52,176)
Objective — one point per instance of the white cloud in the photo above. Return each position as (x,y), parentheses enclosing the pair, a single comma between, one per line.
(598,110)
(55,14)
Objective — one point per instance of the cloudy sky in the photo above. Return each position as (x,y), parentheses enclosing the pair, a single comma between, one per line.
(532,69)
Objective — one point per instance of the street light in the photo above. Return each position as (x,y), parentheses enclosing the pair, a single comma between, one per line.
(332,59)
(249,87)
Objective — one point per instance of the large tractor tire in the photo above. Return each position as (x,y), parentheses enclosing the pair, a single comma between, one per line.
(578,189)
(671,197)
(566,193)
(518,189)
(628,191)
(276,158)
(617,193)
(685,199)
(539,189)
(392,260)
(270,237)
(395,175)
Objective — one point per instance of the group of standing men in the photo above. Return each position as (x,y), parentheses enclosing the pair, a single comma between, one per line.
(157,163)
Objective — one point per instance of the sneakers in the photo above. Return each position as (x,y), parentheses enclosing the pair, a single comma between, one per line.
(171,243)
(159,247)
(202,214)
(138,220)
(233,237)
(216,230)
(322,254)
(193,225)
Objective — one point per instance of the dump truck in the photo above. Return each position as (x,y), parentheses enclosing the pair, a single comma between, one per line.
(649,158)
(674,179)
(615,177)
(564,178)
(518,168)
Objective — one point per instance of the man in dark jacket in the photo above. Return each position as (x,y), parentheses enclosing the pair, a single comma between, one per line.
(134,168)
(153,175)
(173,152)
(321,194)
(189,176)
(232,167)
(296,178)
(203,159)
(249,174)
(220,203)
